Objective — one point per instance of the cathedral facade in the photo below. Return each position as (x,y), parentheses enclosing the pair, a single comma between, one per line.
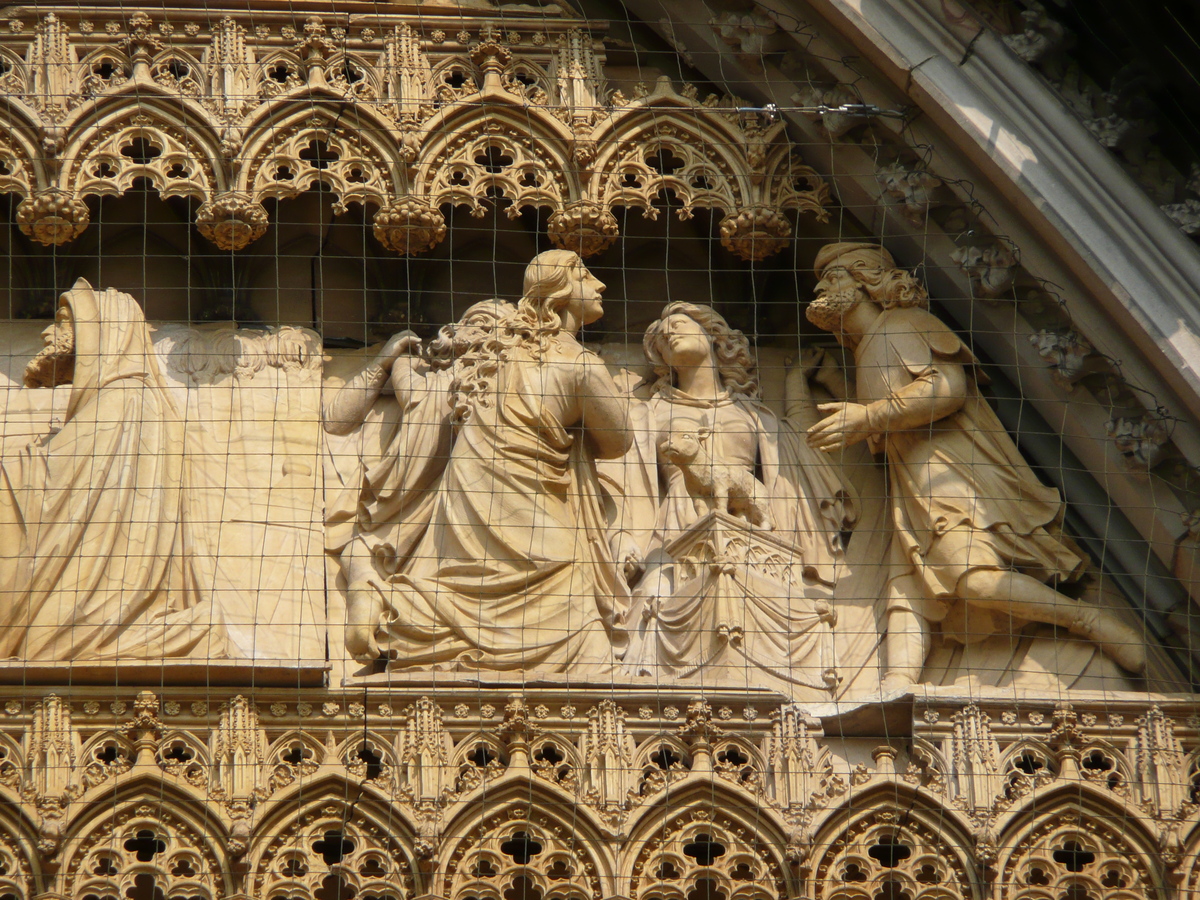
(567,450)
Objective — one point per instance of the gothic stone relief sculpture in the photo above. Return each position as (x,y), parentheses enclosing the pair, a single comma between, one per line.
(507,565)
(743,526)
(506,507)
(102,560)
(128,495)
(977,545)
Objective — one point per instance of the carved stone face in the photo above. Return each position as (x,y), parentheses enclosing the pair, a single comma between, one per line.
(585,300)
(55,362)
(837,293)
(680,447)
(684,342)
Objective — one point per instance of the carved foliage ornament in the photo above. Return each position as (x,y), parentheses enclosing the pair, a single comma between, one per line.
(526,123)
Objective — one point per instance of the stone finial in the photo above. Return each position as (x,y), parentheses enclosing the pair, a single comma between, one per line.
(607,749)
(53,217)
(409,227)
(232,221)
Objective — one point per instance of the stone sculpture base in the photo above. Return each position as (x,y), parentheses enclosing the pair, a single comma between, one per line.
(138,673)
(741,608)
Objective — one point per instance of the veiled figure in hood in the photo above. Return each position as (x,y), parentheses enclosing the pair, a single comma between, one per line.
(98,559)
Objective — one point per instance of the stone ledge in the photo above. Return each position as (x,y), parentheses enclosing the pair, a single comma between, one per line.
(303,673)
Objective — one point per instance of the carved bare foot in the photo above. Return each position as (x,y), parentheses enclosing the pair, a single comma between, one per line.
(362,618)
(1120,643)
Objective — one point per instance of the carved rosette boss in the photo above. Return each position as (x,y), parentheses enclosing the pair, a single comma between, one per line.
(755,232)
(583,226)
(232,221)
(409,227)
(53,217)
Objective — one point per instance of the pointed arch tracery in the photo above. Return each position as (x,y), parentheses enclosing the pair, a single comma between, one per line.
(145,844)
(1080,847)
(892,846)
(542,130)
(107,151)
(706,156)
(325,846)
(474,152)
(351,152)
(707,841)
(521,847)
(649,150)
(20,868)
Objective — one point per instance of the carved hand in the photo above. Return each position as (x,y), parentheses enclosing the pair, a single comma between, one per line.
(844,425)
(630,557)
(810,360)
(399,344)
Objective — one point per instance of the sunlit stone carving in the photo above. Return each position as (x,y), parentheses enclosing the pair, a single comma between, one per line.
(977,537)
(102,560)
(738,568)
(509,566)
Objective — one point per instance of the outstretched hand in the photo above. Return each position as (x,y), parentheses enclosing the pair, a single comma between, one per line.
(844,425)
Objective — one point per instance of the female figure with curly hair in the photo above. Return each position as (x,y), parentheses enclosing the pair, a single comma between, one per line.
(513,572)
(708,390)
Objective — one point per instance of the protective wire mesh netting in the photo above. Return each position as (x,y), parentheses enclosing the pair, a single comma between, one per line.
(574,450)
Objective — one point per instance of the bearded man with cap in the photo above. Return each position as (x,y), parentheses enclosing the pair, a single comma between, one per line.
(977,538)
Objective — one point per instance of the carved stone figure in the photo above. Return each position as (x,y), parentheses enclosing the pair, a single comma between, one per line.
(509,567)
(100,560)
(977,543)
(713,485)
(720,590)
(375,527)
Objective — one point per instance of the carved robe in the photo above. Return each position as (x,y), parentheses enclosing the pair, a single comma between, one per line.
(808,499)
(962,497)
(513,571)
(404,449)
(771,607)
(98,558)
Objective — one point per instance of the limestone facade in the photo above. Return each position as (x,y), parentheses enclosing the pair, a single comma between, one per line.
(298,696)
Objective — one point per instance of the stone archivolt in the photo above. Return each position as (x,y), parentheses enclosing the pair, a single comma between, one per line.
(385,816)
(404,123)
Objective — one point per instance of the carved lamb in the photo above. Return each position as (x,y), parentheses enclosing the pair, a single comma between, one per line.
(713,485)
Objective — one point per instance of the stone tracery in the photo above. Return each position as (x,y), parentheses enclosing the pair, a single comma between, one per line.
(230,84)
(553,138)
(703,834)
